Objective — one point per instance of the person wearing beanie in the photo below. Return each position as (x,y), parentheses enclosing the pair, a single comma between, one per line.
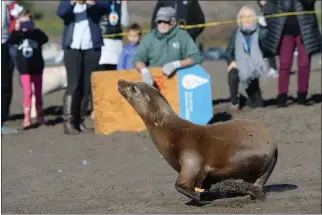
(167,46)
(187,13)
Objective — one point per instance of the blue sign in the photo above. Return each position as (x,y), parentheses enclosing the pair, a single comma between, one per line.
(195,95)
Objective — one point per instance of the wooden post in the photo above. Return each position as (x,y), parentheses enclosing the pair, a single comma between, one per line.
(112,111)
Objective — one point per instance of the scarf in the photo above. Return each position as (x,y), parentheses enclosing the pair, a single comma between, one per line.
(250,66)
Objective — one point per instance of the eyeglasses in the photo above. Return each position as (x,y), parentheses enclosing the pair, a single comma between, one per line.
(161,21)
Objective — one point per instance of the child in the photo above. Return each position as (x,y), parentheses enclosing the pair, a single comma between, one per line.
(30,62)
(129,51)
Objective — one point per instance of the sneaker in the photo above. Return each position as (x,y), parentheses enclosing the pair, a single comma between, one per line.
(272,73)
(7,130)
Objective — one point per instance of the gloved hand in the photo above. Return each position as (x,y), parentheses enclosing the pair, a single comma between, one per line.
(169,68)
(262,21)
(147,76)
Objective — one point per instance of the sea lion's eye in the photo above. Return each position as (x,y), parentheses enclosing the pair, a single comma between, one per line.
(134,89)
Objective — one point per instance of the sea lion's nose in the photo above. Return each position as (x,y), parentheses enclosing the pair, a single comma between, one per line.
(122,83)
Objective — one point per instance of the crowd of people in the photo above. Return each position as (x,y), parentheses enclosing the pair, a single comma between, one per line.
(168,46)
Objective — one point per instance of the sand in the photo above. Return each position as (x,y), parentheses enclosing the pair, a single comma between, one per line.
(45,171)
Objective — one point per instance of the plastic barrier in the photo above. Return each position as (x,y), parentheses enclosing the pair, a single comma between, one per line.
(112,111)
(195,95)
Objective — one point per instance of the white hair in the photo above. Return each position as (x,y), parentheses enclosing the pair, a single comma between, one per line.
(241,12)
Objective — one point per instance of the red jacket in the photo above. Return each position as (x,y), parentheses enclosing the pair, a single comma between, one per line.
(12,18)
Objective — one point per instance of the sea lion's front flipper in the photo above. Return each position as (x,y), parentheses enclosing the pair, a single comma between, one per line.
(190,194)
(191,172)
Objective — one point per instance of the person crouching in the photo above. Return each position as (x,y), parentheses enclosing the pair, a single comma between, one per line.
(30,62)
(245,59)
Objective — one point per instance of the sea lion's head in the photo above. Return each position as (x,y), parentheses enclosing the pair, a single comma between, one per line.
(145,99)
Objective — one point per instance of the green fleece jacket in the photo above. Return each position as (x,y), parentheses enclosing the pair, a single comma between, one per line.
(156,50)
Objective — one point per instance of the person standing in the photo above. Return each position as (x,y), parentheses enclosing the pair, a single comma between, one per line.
(30,63)
(111,23)
(188,12)
(6,70)
(15,9)
(82,42)
(271,60)
(283,35)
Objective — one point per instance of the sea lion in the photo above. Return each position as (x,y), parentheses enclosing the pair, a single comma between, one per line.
(203,155)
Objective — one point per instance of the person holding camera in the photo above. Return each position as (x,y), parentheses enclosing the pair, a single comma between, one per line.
(81,41)
(30,62)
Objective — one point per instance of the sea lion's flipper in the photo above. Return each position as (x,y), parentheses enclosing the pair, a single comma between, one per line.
(257,194)
(191,174)
(190,194)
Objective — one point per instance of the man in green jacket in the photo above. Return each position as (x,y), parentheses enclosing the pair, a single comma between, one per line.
(167,46)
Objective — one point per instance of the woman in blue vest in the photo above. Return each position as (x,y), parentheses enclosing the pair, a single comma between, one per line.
(82,41)
(111,26)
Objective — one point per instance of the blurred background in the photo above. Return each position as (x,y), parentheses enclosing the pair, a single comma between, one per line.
(213,38)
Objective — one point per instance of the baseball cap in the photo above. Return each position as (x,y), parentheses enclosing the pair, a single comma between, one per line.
(165,14)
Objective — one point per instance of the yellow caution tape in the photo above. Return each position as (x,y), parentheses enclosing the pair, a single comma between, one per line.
(225,22)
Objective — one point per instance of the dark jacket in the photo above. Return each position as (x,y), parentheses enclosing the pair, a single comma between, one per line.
(308,25)
(29,42)
(188,11)
(230,50)
(260,6)
(94,14)
(105,25)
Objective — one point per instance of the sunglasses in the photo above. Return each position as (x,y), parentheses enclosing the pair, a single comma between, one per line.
(161,21)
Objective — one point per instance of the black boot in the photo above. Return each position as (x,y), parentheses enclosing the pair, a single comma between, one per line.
(83,114)
(69,121)
(254,94)
(301,98)
(255,100)
(281,100)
